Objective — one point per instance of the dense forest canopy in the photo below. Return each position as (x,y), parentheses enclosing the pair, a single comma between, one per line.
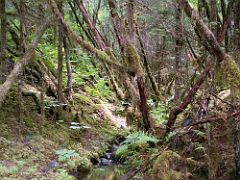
(124,89)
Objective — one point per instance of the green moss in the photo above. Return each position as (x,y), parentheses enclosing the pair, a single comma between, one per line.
(83,99)
(133,60)
(162,166)
(228,76)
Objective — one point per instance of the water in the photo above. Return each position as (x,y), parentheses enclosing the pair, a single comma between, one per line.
(111,172)
(106,169)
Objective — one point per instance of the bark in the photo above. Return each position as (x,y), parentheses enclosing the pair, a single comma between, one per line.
(143,104)
(60,59)
(131,22)
(237,22)
(5,87)
(69,70)
(132,57)
(188,99)
(3,38)
(236,141)
(178,53)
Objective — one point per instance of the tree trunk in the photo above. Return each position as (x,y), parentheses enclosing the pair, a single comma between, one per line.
(5,87)
(101,55)
(188,99)
(91,25)
(69,70)
(3,43)
(143,104)
(178,53)
(60,59)
(131,22)
(22,40)
(147,67)
(102,45)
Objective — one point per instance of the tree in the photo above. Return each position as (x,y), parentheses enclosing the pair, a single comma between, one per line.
(3,44)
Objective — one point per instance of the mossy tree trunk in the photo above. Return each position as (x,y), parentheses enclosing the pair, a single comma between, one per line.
(5,87)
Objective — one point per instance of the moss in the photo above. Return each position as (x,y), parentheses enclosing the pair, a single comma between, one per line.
(133,60)
(228,76)
(83,99)
(162,166)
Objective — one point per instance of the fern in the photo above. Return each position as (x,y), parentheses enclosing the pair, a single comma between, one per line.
(135,142)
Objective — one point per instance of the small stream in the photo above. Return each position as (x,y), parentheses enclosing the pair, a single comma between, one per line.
(106,169)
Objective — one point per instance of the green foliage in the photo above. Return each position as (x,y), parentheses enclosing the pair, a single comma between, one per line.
(62,174)
(194,3)
(64,154)
(170,136)
(100,90)
(159,113)
(135,142)
(48,55)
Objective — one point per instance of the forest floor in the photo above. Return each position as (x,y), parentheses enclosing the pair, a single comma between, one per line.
(45,149)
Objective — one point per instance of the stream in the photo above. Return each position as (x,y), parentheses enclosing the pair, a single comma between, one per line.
(107,168)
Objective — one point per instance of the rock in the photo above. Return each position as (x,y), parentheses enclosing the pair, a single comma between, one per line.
(106,162)
(53,164)
(109,155)
(114,147)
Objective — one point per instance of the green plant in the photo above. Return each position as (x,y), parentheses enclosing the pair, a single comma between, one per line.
(136,142)
(64,154)
(62,174)
(159,113)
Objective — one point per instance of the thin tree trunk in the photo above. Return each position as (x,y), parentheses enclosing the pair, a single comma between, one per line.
(91,25)
(3,38)
(101,55)
(178,53)
(143,104)
(131,22)
(236,141)
(147,67)
(60,59)
(22,40)
(188,99)
(5,87)
(102,45)
(206,33)
(69,70)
